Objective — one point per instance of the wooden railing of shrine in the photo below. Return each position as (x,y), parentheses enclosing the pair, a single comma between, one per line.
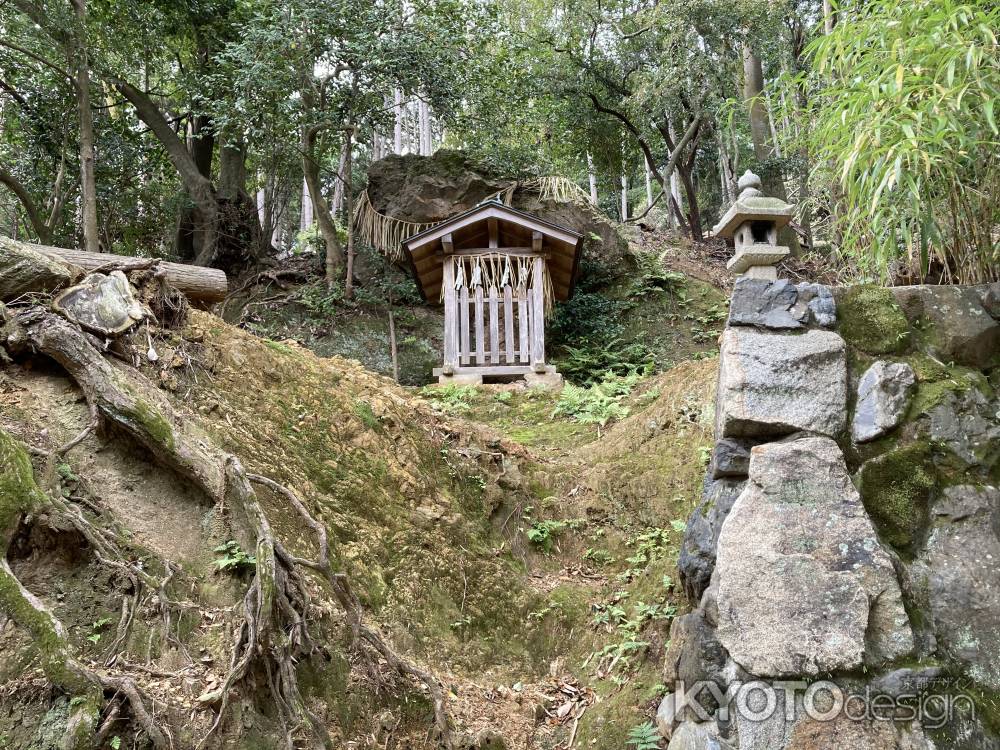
(497,331)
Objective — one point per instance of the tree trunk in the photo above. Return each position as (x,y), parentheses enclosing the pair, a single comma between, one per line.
(677,215)
(269,210)
(393,351)
(397,142)
(239,237)
(829,16)
(592,178)
(201,146)
(349,195)
(694,212)
(232,168)
(680,172)
(802,102)
(338,188)
(202,285)
(424,127)
(726,172)
(772,180)
(306,210)
(753,94)
(201,143)
(88,179)
(206,210)
(649,184)
(327,229)
(27,203)
(624,197)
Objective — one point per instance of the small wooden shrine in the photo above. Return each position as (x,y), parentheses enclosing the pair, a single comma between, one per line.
(498,271)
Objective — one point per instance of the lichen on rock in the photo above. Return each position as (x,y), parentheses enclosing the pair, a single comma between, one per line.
(804,585)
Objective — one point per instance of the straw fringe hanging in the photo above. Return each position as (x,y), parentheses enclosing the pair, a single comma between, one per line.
(559,189)
(386,233)
(505,196)
(494,271)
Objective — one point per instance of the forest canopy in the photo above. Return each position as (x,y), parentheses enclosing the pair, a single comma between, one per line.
(228,132)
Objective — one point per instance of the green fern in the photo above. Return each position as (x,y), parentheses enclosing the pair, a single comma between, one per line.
(601,402)
(644,737)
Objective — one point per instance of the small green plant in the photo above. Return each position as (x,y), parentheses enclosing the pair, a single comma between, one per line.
(66,473)
(601,402)
(451,398)
(648,397)
(463,623)
(649,546)
(655,277)
(116,742)
(644,737)
(307,240)
(540,614)
(503,397)
(589,362)
(233,558)
(598,556)
(543,533)
(96,629)
(363,411)
(321,301)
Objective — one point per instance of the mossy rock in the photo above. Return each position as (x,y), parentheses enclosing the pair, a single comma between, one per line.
(872,320)
(937,381)
(896,489)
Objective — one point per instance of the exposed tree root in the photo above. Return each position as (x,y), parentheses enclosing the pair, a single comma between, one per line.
(274,634)
(341,586)
(19,494)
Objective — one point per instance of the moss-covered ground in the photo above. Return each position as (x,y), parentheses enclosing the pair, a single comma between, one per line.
(492,535)
(605,528)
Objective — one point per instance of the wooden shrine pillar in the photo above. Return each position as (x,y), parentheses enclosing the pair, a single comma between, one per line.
(450,317)
(538,315)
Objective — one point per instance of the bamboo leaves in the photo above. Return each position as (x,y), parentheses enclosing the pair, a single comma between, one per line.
(904,122)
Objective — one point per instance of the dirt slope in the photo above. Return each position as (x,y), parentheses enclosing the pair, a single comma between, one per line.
(428,513)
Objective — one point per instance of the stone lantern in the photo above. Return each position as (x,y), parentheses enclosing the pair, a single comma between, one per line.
(753,222)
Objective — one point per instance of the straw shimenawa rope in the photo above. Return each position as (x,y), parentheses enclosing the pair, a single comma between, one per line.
(494,271)
(386,233)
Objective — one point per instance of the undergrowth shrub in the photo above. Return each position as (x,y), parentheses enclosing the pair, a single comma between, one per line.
(654,277)
(589,363)
(451,398)
(902,129)
(602,401)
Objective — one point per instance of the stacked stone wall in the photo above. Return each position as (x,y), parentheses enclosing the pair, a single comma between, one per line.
(846,547)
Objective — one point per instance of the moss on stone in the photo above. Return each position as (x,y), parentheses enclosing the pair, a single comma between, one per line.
(936,380)
(18,491)
(872,321)
(895,488)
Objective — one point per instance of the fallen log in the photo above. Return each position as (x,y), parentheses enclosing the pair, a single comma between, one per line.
(200,284)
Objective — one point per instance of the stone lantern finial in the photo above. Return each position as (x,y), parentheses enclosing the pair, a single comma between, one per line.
(749,185)
(753,222)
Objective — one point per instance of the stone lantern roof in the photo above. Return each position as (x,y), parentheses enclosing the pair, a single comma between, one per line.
(752,205)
